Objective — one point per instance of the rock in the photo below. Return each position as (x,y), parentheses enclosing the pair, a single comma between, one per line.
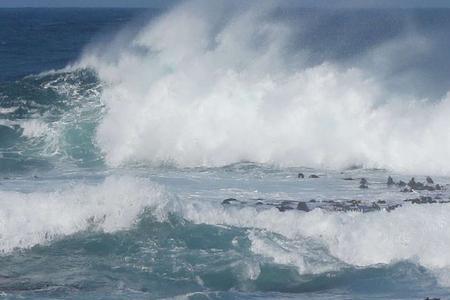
(354,202)
(348,178)
(428,188)
(229,201)
(429,180)
(390,181)
(419,185)
(363,181)
(313,176)
(421,200)
(428,298)
(284,206)
(363,186)
(301,175)
(392,207)
(412,183)
(313,201)
(438,187)
(302,206)
(381,202)
(401,183)
(375,206)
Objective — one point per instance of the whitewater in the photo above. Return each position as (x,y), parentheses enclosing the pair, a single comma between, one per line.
(225,150)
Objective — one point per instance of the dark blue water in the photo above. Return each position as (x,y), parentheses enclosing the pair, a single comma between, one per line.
(37,40)
(123,130)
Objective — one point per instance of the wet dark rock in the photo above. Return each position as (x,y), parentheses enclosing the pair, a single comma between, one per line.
(363,181)
(313,201)
(419,186)
(381,202)
(375,206)
(429,188)
(229,201)
(415,185)
(429,180)
(302,206)
(285,205)
(421,200)
(392,207)
(428,298)
(438,187)
(301,175)
(348,178)
(363,186)
(259,203)
(313,176)
(401,183)
(354,202)
(390,181)
(406,190)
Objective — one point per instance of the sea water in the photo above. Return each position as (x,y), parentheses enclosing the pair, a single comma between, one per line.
(156,154)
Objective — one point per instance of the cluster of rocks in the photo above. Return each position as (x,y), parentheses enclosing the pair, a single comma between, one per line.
(351,205)
(411,186)
(301,176)
(414,185)
(330,205)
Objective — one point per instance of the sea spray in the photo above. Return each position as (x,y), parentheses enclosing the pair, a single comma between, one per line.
(197,90)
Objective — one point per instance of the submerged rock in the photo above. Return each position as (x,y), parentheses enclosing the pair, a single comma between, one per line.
(313,176)
(301,175)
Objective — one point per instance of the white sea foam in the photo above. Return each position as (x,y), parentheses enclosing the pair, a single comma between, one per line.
(34,128)
(27,219)
(199,88)
(418,233)
(8,110)
(314,242)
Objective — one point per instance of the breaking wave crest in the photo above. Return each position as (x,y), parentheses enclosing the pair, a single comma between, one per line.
(213,84)
(312,243)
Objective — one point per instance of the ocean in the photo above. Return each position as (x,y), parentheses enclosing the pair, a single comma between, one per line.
(225,150)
